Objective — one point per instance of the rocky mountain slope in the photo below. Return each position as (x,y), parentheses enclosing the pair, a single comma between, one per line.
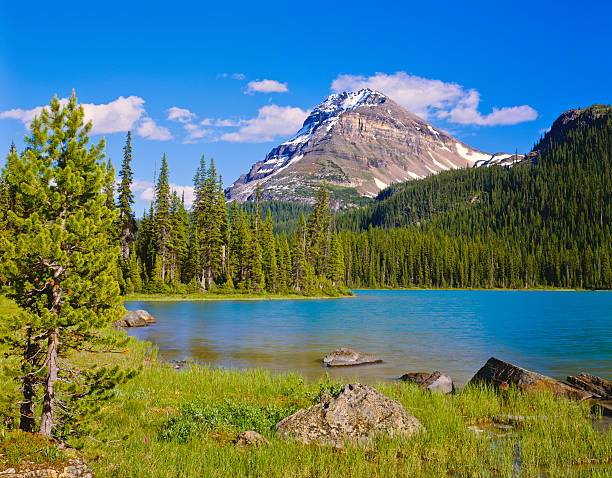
(359,143)
(570,120)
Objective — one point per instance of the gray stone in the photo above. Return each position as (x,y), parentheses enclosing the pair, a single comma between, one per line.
(359,414)
(434,382)
(251,438)
(135,318)
(502,375)
(348,357)
(599,387)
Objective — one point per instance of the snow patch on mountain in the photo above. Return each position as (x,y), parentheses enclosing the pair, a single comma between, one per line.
(471,156)
(381,185)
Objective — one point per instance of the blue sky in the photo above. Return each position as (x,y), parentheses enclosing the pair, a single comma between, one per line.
(188,77)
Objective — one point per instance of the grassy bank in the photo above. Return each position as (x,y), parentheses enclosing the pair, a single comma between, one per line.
(183,423)
(169,422)
(198,296)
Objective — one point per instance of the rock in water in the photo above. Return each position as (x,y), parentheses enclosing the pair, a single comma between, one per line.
(251,438)
(435,382)
(359,414)
(135,318)
(599,387)
(348,357)
(502,375)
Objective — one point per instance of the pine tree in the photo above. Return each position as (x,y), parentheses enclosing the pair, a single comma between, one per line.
(336,261)
(61,266)
(161,221)
(318,233)
(127,222)
(178,242)
(299,256)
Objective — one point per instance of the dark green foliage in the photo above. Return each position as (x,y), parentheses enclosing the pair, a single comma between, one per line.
(285,214)
(543,224)
(196,417)
(59,257)
(126,222)
(233,249)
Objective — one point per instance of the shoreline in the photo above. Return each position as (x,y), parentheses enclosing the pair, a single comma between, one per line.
(198,297)
(219,297)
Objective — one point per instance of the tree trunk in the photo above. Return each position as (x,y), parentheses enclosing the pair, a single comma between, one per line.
(26,410)
(47,418)
(203,280)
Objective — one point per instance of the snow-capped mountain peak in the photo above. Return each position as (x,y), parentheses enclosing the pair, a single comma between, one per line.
(359,142)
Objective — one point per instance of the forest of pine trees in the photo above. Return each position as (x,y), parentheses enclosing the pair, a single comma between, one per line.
(213,247)
(546,224)
(543,224)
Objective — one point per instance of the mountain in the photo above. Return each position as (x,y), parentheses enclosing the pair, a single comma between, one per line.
(545,222)
(359,143)
(571,120)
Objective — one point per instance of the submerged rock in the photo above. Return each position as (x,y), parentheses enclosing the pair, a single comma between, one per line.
(135,318)
(348,357)
(503,375)
(251,438)
(434,382)
(599,387)
(359,414)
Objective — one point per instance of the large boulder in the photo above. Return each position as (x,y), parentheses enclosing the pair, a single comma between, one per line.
(503,375)
(434,382)
(599,387)
(358,414)
(135,318)
(348,357)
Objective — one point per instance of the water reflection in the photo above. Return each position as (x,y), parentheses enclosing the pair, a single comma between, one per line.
(556,333)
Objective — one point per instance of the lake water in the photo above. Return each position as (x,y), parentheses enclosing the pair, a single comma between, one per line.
(554,333)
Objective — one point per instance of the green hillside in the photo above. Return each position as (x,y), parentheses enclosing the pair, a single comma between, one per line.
(545,222)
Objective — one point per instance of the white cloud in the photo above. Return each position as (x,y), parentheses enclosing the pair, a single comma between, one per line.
(206,122)
(116,116)
(466,112)
(427,98)
(25,116)
(272,122)
(148,192)
(229,123)
(181,115)
(196,132)
(238,76)
(266,86)
(150,130)
(120,115)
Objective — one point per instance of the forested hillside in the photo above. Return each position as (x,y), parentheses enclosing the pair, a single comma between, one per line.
(212,246)
(546,222)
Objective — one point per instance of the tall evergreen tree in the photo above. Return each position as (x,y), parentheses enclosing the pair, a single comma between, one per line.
(61,266)
(162,223)
(125,200)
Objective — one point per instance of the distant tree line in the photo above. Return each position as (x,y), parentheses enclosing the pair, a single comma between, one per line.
(548,223)
(213,246)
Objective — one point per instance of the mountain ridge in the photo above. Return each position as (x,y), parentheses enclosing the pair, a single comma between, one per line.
(359,143)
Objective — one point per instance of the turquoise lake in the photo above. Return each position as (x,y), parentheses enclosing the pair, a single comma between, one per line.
(556,333)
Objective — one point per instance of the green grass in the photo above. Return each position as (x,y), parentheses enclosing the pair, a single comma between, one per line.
(183,423)
(18,447)
(199,296)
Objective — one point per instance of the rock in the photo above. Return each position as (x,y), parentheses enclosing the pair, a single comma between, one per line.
(603,409)
(502,375)
(434,382)
(135,318)
(348,357)
(358,414)
(599,387)
(251,438)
